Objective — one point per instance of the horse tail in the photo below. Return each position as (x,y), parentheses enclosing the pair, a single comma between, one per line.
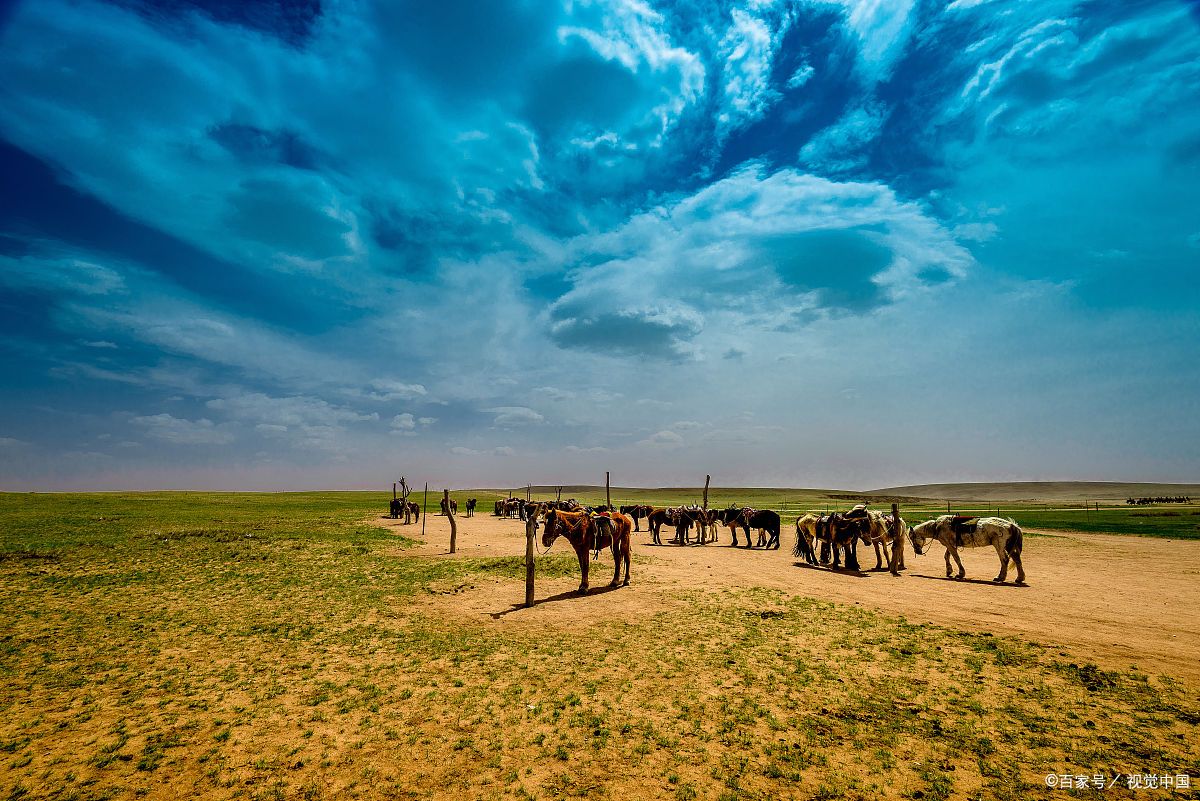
(1013,545)
(798,551)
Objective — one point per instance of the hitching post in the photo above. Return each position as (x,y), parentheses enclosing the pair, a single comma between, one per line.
(424,509)
(607,492)
(530,533)
(897,540)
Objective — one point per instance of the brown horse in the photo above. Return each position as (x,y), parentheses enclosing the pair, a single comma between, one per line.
(587,533)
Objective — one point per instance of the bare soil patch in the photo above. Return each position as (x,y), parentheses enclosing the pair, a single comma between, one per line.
(1115,600)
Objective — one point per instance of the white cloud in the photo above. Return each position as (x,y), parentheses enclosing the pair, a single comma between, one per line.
(389,390)
(747,49)
(801,76)
(500,450)
(180,431)
(666,440)
(65,275)
(512,416)
(632,34)
(578,449)
(844,146)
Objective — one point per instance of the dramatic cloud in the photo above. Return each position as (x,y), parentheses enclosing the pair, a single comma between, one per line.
(841,243)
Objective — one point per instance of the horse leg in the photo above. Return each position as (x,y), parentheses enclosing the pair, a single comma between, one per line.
(949,570)
(625,554)
(962,571)
(581,552)
(1016,558)
(852,555)
(1003,563)
(616,552)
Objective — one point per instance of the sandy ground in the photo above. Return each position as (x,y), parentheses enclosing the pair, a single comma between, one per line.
(1119,601)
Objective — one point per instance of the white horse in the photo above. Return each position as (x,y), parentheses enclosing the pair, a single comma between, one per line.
(880,534)
(1002,534)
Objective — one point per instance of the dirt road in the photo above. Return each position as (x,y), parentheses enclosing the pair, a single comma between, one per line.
(1114,600)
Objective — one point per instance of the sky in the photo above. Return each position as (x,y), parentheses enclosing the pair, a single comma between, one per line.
(853,243)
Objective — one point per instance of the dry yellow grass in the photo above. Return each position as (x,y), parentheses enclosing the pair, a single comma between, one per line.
(316,660)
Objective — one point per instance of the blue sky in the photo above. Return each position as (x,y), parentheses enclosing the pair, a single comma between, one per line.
(258,245)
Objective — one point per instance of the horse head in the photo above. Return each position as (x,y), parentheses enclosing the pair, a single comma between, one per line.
(919,535)
(550,533)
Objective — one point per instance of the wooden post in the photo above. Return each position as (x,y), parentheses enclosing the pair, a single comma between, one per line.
(404,491)
(530,533)
(607,492)
(528,493)
(393,490)
(424,508)
(897,541)
(947,507)
(450,516)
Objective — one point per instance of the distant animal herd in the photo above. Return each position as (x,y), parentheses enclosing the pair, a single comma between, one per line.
(1160,499)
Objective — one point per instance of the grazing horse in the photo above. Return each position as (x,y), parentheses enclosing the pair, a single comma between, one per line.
(471,502)
(1001,533)
(637,512)
(587,533)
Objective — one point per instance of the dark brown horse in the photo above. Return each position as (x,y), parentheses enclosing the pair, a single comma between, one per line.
(637,512)
(587,533)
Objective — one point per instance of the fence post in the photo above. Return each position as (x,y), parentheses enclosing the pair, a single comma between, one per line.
(450,515)
(897,541)
(530,533)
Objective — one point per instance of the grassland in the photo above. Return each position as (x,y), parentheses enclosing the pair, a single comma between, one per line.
(275,646)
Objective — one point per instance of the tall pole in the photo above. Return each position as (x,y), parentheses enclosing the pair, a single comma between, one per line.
(530,533)
(897,540)
(706,480)
(424,509)
(607,492)
(393,490)
(450,516)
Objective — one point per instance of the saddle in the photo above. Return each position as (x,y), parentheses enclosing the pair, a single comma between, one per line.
(961,525)
(857,512)
(823,524)
(603,524)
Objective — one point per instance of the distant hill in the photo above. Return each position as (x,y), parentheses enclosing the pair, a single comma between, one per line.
(1042,491)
